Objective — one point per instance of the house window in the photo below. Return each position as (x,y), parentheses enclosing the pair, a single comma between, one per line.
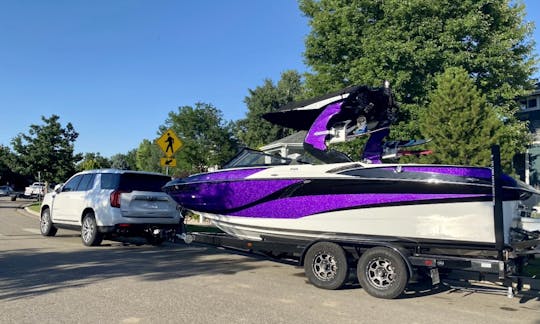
(531,103)
(534,166)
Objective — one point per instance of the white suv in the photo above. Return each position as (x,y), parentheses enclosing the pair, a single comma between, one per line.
(107,203)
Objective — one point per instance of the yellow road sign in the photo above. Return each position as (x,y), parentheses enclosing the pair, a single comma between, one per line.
(168,162)
(169,143)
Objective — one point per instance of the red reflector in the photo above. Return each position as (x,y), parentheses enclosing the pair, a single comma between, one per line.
(123,225)
(428,263)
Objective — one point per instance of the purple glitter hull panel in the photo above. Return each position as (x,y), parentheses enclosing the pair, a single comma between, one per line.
(222,196)
(230,193)
(297,207)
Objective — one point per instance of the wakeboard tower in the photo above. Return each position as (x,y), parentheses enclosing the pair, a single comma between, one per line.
(343,116)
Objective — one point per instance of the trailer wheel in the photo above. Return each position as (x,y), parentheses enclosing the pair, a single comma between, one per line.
(326,265)
(382,272)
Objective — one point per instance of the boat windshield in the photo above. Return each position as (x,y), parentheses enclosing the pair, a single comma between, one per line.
(249,157)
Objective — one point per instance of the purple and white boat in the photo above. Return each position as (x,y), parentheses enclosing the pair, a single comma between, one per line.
(327,196)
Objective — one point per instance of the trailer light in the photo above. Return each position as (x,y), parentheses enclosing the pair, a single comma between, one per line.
(123,225)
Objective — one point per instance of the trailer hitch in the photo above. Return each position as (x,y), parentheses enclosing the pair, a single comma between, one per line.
(188,238)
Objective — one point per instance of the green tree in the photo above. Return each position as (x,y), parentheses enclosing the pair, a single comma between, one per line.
(7,176)
(254,131)
(131,158)
(93,161)
(148,156)
(473,125)
(6,159)
(409,42)
(124,161)
(47,148)
(207,139)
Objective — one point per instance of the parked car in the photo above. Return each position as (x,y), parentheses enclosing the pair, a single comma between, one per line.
(7,191)
(36,189)
(107,203)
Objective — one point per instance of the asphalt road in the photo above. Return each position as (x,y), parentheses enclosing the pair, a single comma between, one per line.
(58,280)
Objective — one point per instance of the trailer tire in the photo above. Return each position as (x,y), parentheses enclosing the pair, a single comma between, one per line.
(382,273)
(326,265)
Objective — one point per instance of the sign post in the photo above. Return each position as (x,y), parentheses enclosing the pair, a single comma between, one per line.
(169,144)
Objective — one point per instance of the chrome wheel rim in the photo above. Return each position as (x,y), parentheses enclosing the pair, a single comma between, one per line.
(325,267)
(87,229)
(380,273)
(44,222)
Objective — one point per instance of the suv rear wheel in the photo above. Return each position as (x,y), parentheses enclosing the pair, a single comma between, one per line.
(90,234)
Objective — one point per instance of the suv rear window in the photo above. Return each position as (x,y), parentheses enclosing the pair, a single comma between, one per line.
(109,180)
(133,181)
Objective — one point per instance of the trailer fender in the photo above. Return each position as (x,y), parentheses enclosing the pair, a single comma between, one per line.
(304,251)
(404,253)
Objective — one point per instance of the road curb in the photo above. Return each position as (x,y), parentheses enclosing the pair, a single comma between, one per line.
(31,212)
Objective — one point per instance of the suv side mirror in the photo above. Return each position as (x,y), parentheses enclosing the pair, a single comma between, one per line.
(58,187)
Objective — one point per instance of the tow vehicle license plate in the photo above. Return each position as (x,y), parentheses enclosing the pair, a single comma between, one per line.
(151,205)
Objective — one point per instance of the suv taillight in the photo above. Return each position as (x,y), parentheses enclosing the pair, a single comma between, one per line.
(115,198)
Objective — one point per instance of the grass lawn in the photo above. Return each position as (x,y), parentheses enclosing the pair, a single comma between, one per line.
(35,207)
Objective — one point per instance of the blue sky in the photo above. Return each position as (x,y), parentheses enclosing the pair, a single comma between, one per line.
(115,69)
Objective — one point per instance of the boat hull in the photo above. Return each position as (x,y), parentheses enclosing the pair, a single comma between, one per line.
(405,202)
(465,222)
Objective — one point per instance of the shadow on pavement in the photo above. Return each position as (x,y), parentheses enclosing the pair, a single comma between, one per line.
(31,272)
